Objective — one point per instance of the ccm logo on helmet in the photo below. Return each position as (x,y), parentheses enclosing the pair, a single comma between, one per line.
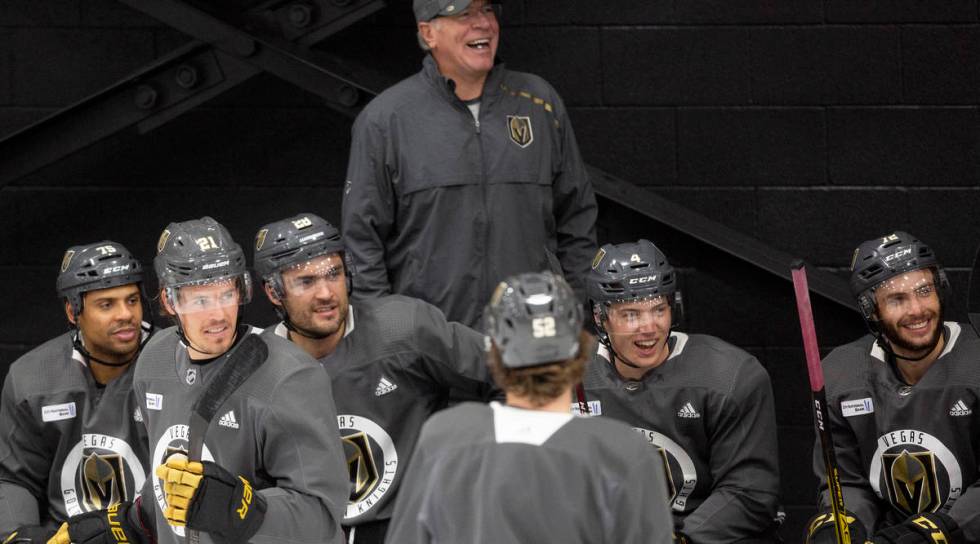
(113,269)
(644,279)
(898,254)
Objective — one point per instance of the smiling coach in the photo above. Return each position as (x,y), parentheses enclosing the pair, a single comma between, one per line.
(464,173)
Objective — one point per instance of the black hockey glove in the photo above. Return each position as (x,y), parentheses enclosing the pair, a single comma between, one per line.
(931,528)
(110,526)
(29,534)
(820,529)
(206,497)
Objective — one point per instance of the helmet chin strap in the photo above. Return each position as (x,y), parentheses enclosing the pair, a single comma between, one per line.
(885,345)
(190,345)
(76,342)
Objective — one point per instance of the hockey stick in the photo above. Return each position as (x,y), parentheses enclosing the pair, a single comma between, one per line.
(583,403)
(973,298)
(241,363)
(818,393)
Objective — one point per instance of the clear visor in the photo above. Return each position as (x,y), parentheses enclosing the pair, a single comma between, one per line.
(209,295)
(906,290)
(307,277)
(635,314)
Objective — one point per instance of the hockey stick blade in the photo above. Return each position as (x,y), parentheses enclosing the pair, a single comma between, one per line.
(241,363)
(973,298)
(821,417)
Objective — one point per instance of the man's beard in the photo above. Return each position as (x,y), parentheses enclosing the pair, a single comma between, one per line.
(315,330)
(894,336)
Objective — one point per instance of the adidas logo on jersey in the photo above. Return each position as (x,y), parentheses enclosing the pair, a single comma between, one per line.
(228,420)
(688,411)
(384,387)
(960,409)
(137,416)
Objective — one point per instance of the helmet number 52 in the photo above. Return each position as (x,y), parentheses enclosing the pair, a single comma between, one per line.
(543,327)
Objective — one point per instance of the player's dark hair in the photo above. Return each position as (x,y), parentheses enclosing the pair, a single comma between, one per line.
(544,383)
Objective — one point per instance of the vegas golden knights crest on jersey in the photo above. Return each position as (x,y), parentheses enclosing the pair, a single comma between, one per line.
(372,462)
(360,464)
(520,130)
(911,480)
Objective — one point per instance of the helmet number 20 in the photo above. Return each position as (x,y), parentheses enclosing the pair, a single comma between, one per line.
(543,327)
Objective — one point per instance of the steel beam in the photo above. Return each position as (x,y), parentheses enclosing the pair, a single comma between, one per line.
(713,233)
(187,77)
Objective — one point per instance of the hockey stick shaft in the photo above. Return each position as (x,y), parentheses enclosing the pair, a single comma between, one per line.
(818,393)
(244,359)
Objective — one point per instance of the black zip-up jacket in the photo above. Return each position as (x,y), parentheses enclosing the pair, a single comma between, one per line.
(441,206)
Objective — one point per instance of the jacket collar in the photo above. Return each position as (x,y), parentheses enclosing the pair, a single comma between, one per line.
(447,87)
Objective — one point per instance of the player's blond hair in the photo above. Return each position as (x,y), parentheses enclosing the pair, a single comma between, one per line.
(543,383)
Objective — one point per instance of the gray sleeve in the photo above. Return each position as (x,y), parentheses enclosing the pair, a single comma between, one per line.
(368,211)
(859,499)
(575,207)
(407,525)
(643,501)
(24,464)
(303,454)
(966,512)
(455,354)
(744,464)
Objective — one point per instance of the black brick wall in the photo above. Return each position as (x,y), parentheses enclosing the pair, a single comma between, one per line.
(810,124)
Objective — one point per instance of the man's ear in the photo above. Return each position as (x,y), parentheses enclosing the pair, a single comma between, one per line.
(427,32)
(69,313)
(165,303)
(271,293)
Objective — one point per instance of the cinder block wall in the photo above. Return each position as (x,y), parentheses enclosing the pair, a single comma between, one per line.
(810,124)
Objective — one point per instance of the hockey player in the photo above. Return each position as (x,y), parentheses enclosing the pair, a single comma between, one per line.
(529,471)
(392,360)
(271,469)
(705,405)
(72,438)
(903,405)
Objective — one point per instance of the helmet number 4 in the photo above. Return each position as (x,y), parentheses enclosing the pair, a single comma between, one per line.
(543,327)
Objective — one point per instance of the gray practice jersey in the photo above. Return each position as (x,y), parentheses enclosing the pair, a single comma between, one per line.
(394,367)
(709,412)
(278,430)
(492,474)
(68,445)
(903,449)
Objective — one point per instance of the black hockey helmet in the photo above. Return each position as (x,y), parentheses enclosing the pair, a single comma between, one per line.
(198,252)
(630,272)
(99,265)
(880,259)
(294,241)
(534,319)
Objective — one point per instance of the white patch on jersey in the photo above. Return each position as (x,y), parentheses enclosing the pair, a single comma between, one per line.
(688,411)
(364,442)
(384,387)
(137,415)
(960,409)
(858,407)
(58,412)
(173,439)
(595,408)
(533,427)
(895,440)
(675,454)
(154,401)
(82,492)
(228,420)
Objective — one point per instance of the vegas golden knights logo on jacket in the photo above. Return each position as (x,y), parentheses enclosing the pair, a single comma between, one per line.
(520,129)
